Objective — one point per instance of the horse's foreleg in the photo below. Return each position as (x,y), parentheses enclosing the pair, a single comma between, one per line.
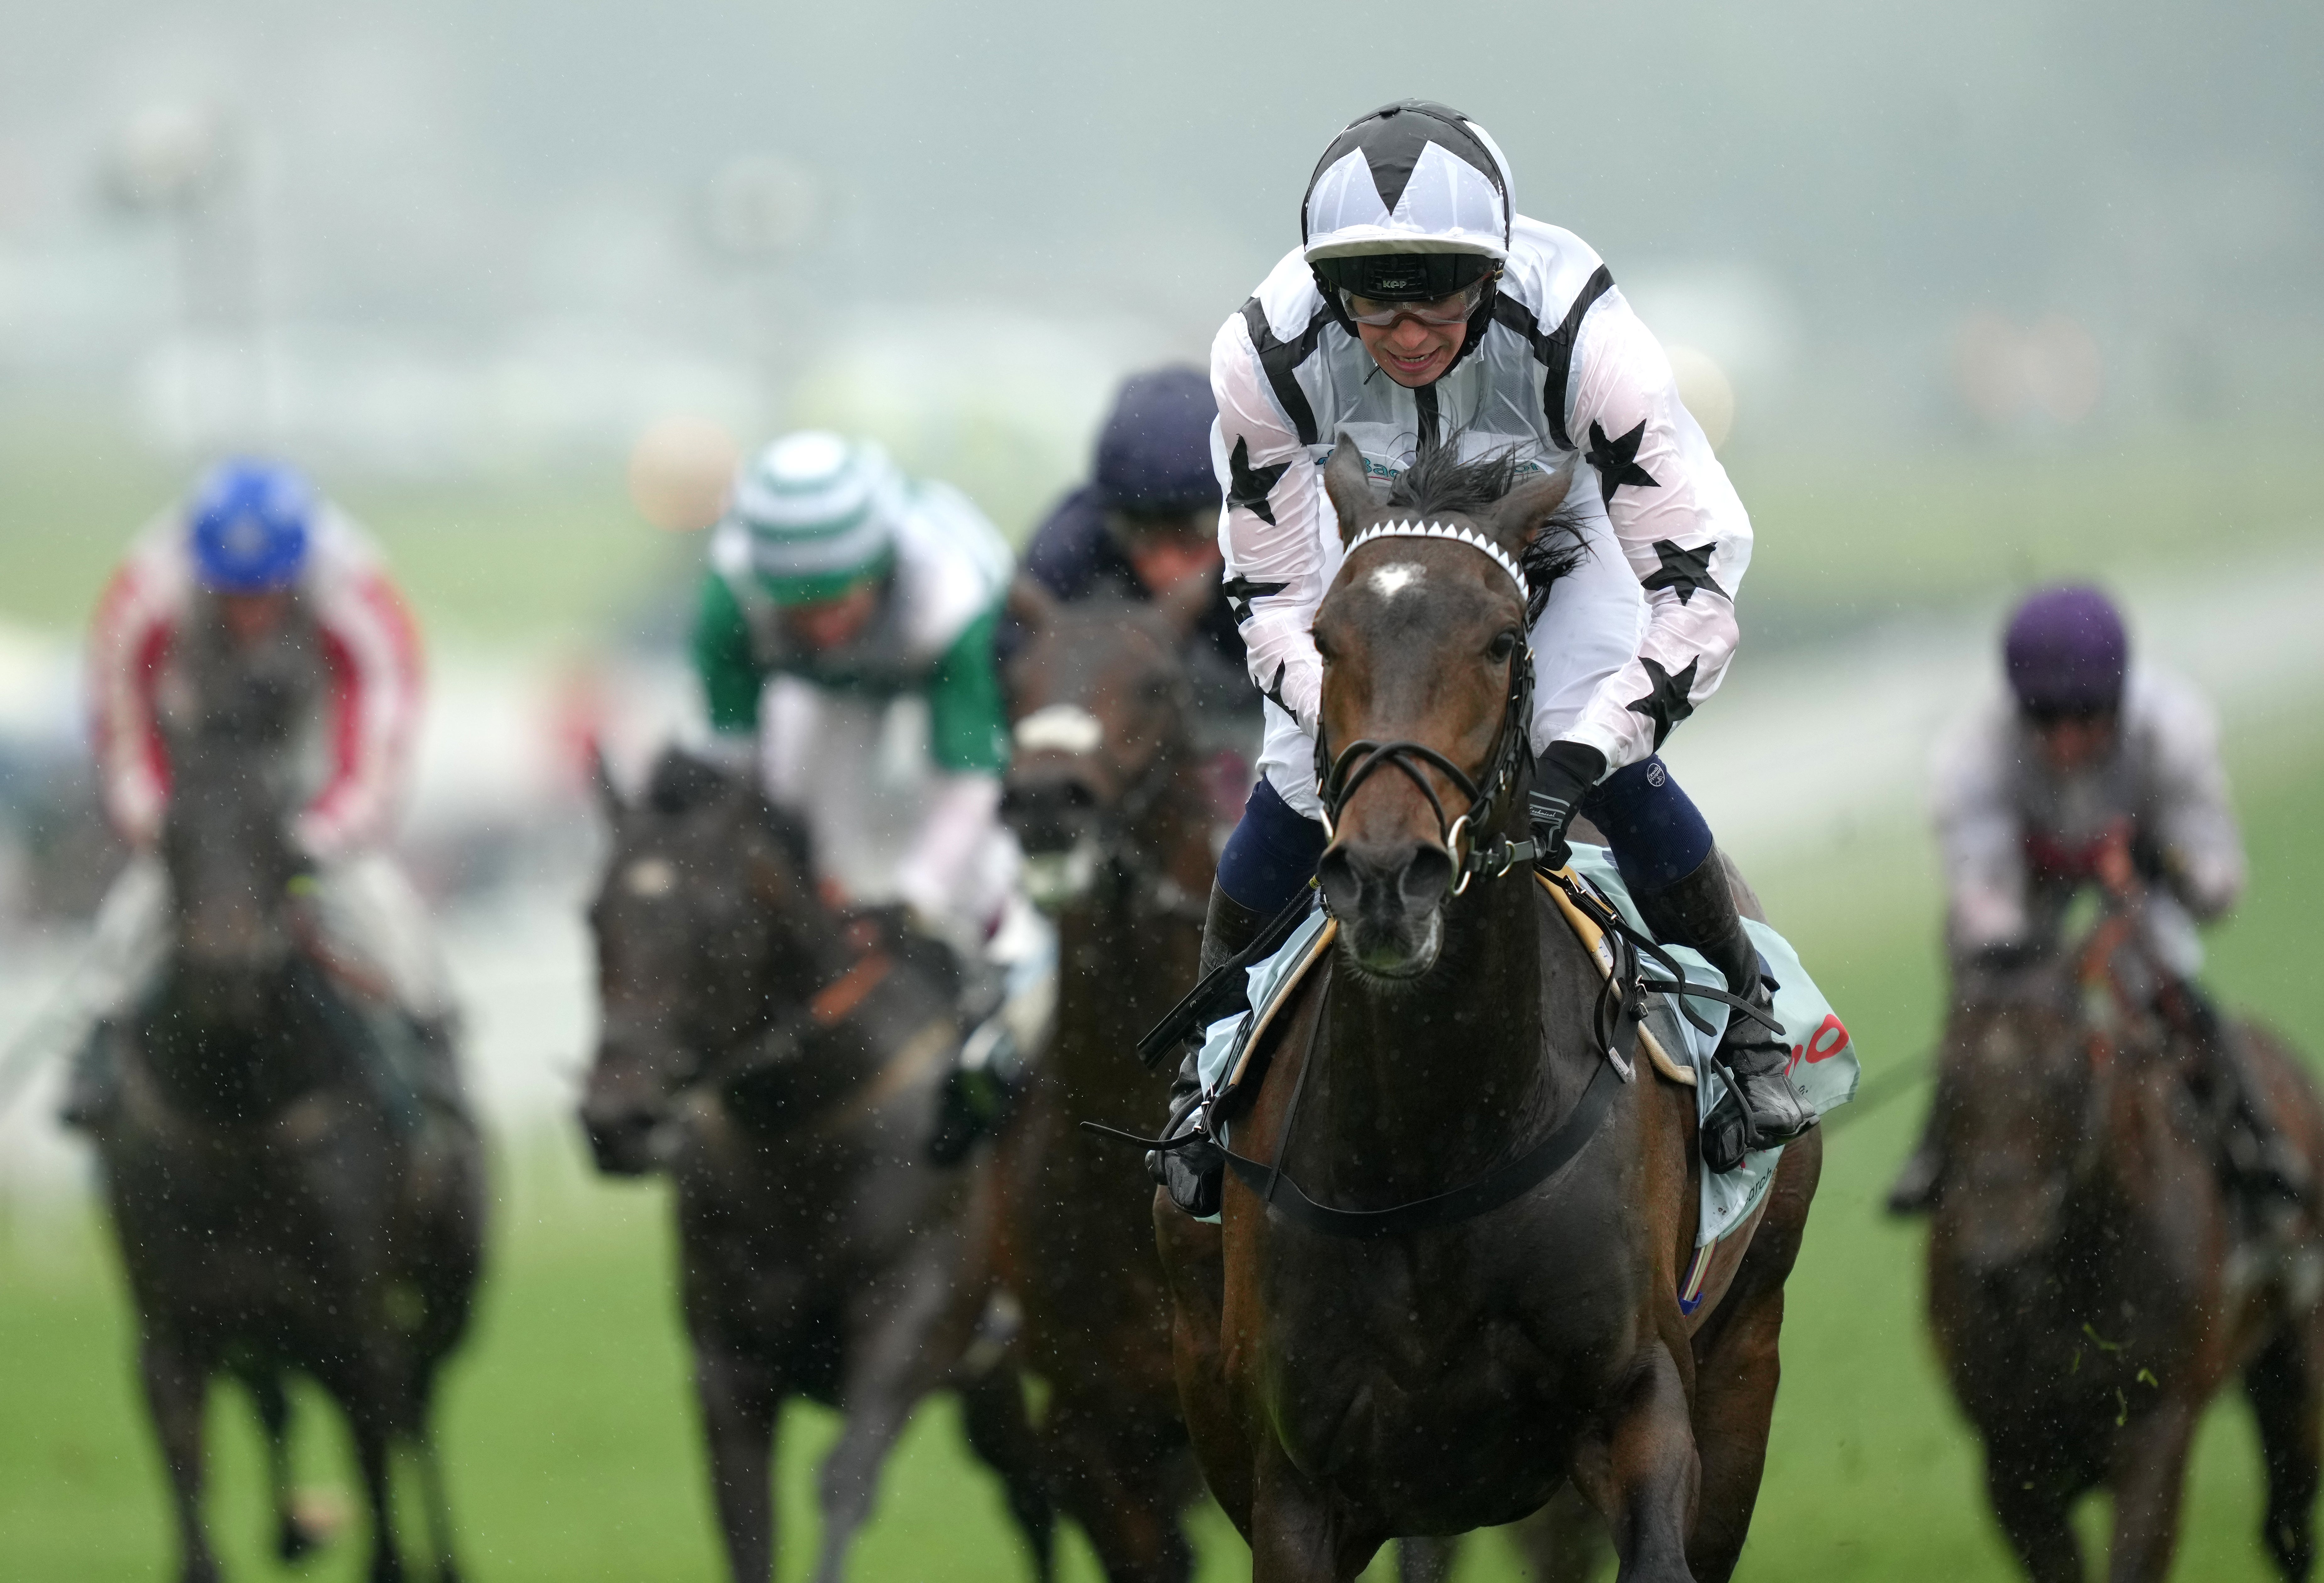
(1738,1366)
(1639,1470)
(890,1347)
(2149,1479)
(1114,1474)
(2032,1512)
(1563,1542)
(1425,1560)
(295,1537)
(176,1387)
(2281,1383)
(1296,1534)
(375,1439)
(1194,1267)
(741,1396)
(993,1410)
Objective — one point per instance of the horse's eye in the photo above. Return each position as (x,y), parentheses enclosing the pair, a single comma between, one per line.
(1503,646)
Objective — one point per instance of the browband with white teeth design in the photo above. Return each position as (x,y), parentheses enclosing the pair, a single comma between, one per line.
(1469,536)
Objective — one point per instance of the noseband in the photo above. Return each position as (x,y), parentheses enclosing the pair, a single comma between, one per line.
(1337,776)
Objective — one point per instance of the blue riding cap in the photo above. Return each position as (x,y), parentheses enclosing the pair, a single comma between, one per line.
(2067,652)
(1154,455)
(249,522)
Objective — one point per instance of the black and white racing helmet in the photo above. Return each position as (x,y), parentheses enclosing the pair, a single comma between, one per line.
(1410,203)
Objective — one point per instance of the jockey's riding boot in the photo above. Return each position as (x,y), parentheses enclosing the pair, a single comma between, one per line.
(2261,1167)
(93,1083)
(1196,1173)
(1760,1108)
(1915,1192)
(979,1091)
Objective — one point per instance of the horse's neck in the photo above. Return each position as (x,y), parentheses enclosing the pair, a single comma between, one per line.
(238,1053)
(1427,1079)
(1123,959)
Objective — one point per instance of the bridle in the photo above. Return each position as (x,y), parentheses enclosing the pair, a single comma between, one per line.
(1337,776)
(1114,827)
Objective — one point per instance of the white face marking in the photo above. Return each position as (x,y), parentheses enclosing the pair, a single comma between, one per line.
(1389,582)
(651,877)
(1060,728)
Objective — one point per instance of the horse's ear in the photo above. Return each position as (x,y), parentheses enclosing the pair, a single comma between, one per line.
(1030,605)
(1520,516)
(1350,486)
(1183,606)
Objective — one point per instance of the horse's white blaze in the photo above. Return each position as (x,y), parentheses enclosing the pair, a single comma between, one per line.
(1060,728)
(650,876)
(1389,582)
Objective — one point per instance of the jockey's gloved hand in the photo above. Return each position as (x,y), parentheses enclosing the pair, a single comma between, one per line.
(1563,774)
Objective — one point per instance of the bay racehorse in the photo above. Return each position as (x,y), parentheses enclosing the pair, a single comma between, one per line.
(1104,792)
(782,1062)
(277,1210)
(1361,1356)
(2089,1288)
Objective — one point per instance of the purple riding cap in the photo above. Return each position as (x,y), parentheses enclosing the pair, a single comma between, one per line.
(2067,652)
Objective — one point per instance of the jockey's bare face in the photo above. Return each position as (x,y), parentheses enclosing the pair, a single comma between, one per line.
(250,617)
(833,623)
(2073,743)
(1418,347)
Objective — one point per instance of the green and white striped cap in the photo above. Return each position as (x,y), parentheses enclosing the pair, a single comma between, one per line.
(819,510)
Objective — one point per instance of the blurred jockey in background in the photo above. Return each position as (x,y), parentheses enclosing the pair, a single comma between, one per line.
(844,639)
(1146,522)
(2090,771)
(255,556)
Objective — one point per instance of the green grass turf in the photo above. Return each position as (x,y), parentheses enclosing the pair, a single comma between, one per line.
(572,1448)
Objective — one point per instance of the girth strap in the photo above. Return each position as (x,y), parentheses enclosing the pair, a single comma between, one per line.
(1505,1184)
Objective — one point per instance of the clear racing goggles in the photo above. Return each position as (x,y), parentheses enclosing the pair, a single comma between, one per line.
(1440,312)
(1377,289)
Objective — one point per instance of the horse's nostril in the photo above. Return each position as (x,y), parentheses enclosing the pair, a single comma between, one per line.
(1427,876)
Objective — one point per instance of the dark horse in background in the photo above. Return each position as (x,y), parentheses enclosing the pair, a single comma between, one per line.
(1341,1389)
(275,1211)
(781,1062)
(1105,795)
(2088,1286)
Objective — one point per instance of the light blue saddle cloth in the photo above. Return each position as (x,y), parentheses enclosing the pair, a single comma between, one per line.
(1823,1070)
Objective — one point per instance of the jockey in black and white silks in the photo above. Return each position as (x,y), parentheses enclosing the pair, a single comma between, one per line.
(1421,310)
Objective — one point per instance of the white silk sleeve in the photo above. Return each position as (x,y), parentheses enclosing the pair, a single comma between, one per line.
(1271,529)
(1679,523)
(935,875)
(135,623)
(371,648)
(2202,846)
(1980,841)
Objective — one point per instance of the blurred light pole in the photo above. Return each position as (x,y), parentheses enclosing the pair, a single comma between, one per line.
(762,212)
(187,163)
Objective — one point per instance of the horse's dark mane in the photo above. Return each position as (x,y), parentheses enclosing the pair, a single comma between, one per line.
(1440,482)
(683,783)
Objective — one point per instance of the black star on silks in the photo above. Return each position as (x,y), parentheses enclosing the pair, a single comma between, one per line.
(1273,690)
(1617,460)
(1248,485)
(1240,591)
(1668,704)
(1684,570)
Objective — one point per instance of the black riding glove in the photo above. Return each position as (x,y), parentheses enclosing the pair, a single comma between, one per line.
(1563,774)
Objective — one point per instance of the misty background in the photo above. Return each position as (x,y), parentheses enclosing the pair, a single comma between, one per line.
(462,237)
